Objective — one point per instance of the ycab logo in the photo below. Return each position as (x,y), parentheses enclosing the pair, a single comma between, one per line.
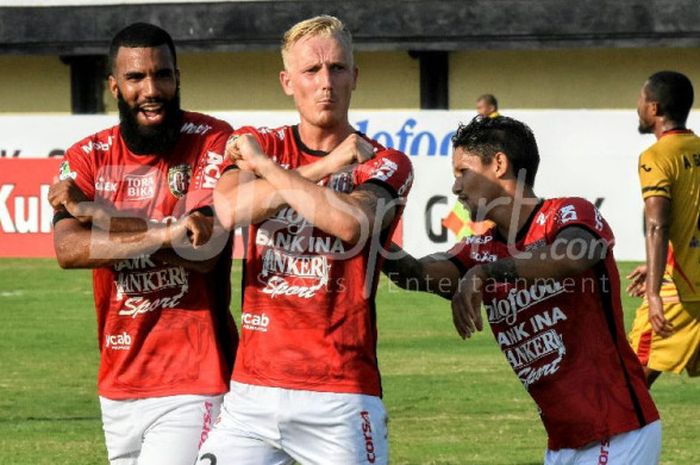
(118,341)
(253,322)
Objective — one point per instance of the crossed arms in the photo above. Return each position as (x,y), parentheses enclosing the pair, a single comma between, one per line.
(260,187)
(94,234)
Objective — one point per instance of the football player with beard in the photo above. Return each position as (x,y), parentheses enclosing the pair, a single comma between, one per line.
(133,203)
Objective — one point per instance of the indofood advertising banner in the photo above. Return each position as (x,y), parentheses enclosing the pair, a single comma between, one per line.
(590,154)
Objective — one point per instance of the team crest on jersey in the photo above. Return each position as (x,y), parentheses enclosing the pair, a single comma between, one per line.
(179,179)
(64,172)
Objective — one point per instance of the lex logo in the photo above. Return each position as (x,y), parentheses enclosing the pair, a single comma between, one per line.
(118,341)
(253,322)
(105,185)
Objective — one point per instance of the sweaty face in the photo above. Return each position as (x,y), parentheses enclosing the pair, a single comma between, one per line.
(645,113)
(319,74)
(475,182)
(145,84)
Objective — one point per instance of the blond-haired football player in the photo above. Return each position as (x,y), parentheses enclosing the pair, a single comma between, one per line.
(306,385)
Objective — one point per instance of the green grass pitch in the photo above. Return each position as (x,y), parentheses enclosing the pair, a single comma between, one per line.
(449,401)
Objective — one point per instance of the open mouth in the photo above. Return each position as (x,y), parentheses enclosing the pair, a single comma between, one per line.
(152,113)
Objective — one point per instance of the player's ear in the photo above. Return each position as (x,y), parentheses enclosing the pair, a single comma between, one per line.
(501,165)
(286,83)
(356,72)
(112,83)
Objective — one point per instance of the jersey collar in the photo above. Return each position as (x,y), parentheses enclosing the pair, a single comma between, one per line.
(674,131)
(525,228)
(303,147)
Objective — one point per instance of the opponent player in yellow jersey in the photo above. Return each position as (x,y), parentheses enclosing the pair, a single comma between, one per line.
(666,331)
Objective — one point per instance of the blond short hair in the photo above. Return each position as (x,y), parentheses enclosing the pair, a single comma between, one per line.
(323,25)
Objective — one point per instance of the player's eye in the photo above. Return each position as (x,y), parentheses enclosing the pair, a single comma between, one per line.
(134,77)
(164,74)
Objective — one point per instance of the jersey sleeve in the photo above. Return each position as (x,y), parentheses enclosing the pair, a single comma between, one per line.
(390,169)
(76,166)
(654,176)
(578,212)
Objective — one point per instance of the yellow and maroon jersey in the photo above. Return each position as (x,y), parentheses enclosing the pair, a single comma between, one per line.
(308,319)
(565,339)
(163,330)
(671,168)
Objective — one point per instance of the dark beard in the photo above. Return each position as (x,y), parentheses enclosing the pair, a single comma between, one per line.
(143,140)
(644,128)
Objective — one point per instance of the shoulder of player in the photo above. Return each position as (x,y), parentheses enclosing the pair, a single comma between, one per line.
(200,124)
(391,154)
(382,150)
(100,141)
(558,202)
(280,133)
(556,209)
(672,145)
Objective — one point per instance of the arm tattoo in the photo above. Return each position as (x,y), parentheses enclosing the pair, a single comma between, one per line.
(502,271)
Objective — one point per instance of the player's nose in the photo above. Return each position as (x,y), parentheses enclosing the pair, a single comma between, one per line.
(324,78)
(456,186)
(150,88)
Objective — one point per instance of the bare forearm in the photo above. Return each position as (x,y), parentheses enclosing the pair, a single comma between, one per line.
(334,213)
(405,271)
(657,213)
(92,248)
(250,200)
(657,250)
(244,201)
(435,273)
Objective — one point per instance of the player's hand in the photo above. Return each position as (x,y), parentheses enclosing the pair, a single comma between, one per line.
(66,195)
(658,320)
(195,229)
(637,286)
(354,149)
(466,303)
(245,151)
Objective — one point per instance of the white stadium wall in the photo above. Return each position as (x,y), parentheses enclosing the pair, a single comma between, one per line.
(586,153)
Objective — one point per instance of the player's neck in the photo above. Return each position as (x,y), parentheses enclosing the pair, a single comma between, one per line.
(664,126)
(324,139)
(510,217)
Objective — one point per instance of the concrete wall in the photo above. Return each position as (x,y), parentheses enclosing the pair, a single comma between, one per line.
(593,78)
(34,84)
(565,79)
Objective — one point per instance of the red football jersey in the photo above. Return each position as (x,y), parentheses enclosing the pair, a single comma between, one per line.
(163,330)
(308,317)
(565,340)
